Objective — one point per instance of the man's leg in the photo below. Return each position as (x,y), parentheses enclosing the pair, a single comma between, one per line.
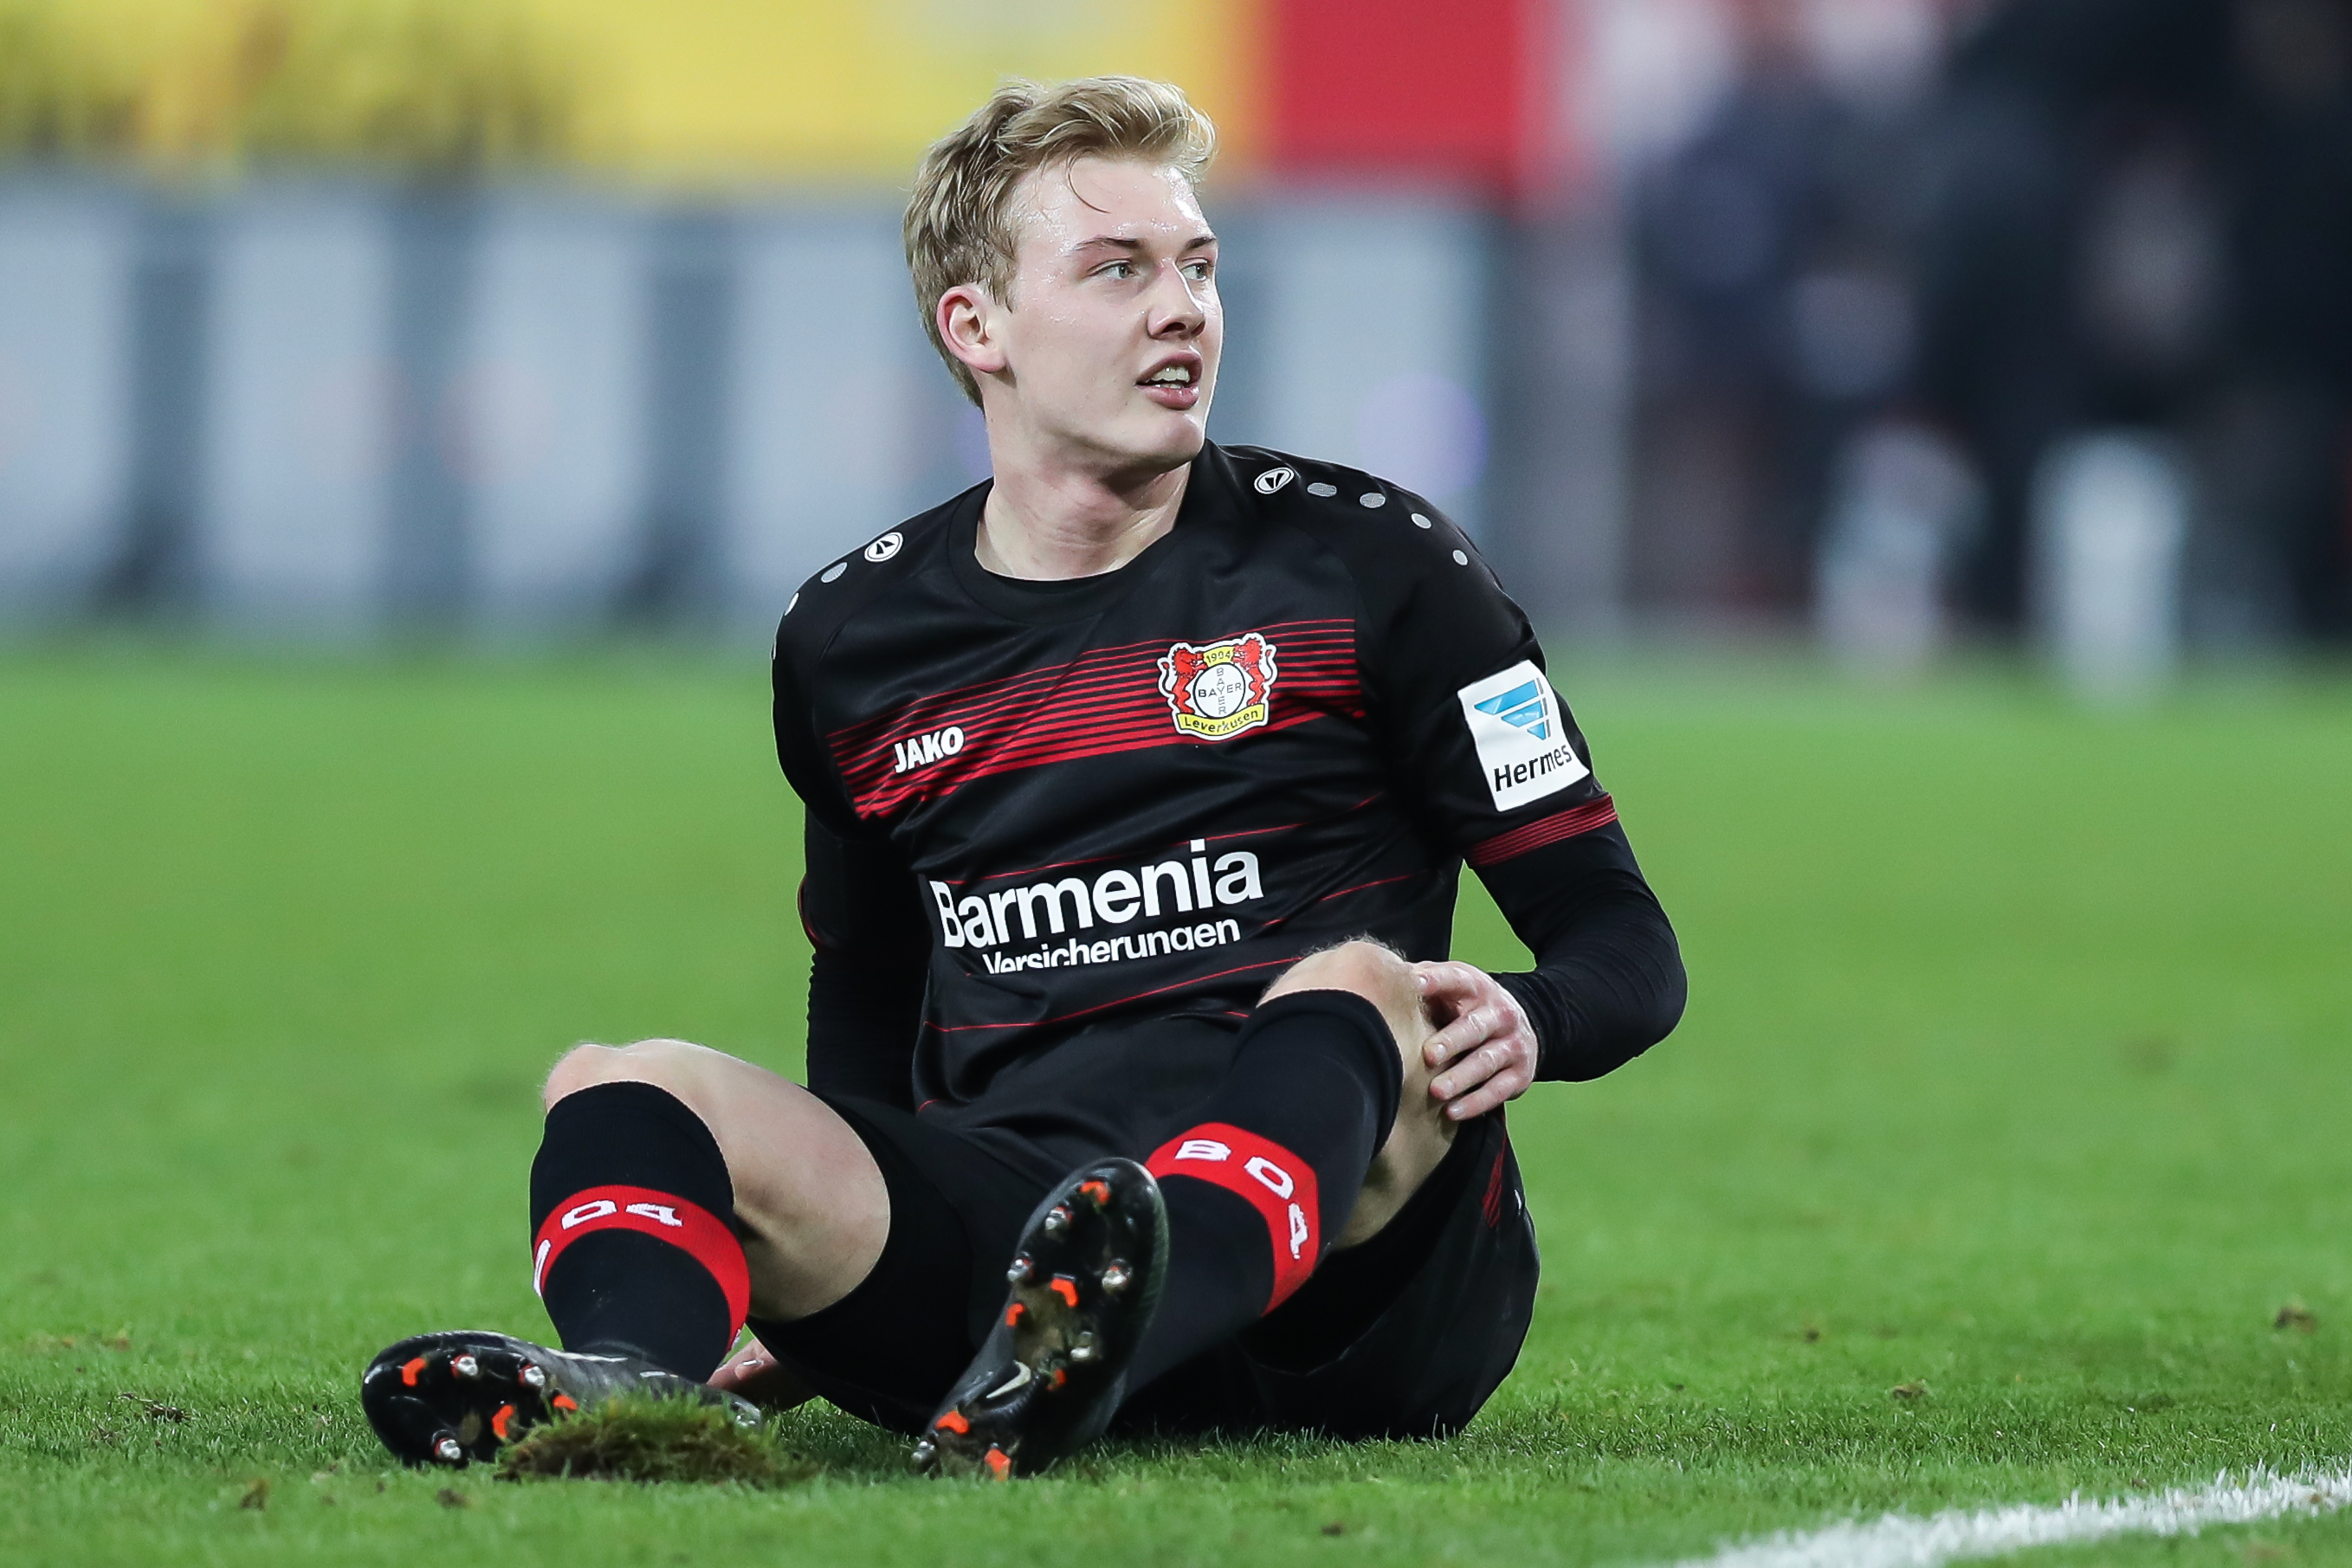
(1320,1132)
(677,1191)
(1421,1132)
(1403,1336)
(1322,1128)
(642,1143)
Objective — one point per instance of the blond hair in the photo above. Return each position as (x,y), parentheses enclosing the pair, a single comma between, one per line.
(960,227)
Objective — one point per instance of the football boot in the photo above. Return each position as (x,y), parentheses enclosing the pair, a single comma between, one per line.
(1052,1371)
(452,1398)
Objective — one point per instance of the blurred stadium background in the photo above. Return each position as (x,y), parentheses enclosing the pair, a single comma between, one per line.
(2001,1155)
(1911,322)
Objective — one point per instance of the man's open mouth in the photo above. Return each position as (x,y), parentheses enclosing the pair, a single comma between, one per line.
(1178,374)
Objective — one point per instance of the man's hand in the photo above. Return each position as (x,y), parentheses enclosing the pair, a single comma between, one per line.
(754,1374)
(1484,1052)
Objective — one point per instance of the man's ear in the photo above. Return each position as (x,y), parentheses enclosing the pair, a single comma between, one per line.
(969,321)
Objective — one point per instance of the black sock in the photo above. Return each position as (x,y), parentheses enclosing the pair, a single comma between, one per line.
(632,1241)
(1256,1189)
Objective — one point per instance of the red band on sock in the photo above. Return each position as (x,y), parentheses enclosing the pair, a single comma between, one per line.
(702,1235)
(1273,1181)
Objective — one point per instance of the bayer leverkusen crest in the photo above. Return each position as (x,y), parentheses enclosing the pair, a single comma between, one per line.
(1218,689)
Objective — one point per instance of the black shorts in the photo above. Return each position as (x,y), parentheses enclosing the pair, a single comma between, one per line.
(1404,1335)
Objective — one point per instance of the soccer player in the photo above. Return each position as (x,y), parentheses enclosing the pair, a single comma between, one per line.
(1138,782)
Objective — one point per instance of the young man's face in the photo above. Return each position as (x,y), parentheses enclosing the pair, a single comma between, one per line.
(1109,341)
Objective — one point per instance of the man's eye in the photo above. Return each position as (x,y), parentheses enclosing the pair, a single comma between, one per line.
(1200,271)
(1121,269)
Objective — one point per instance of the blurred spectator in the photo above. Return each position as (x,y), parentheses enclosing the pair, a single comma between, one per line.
(2282,439)
(2141,216)
(1775,308)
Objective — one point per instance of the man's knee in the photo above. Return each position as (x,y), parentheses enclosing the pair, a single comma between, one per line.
(1365,967)
(675,1065)
(1411,1147)
(1372,972)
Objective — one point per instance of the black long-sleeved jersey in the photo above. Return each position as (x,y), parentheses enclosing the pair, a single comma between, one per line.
(1039,808)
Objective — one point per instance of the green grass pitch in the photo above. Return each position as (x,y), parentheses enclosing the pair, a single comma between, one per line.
(2015,1077)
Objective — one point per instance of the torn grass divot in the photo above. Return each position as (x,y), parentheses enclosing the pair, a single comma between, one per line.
(654,1440)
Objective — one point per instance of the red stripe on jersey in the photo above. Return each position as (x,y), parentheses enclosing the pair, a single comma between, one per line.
(1577,820)
(1139,736)
(1363,886)
(1210,838)
(865,732)
(1133,685)
(1097,698)
(1093,680)
(942,708)
(1491,1205)
(1106,701)
(665,1216)
(1263,1173)
(1183,984)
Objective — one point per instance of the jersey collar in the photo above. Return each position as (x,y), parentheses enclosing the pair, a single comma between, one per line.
(1210,496)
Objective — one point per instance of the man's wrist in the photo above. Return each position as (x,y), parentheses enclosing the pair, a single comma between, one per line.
(1516,986)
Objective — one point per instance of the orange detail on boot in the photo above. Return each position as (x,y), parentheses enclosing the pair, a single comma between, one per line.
(998,1462)
(1065,1287)
(953,1421)
(1098,1190)
(409,1370)
(566,1402)
(501,1421)
(1013,1314)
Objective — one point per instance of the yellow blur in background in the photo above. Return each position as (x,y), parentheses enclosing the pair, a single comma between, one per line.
(860,90)
(679,91)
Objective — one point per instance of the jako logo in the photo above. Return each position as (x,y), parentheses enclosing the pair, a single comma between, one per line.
(1524,707)
(926,749)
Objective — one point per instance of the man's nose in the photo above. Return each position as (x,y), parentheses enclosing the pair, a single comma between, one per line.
(1176,309)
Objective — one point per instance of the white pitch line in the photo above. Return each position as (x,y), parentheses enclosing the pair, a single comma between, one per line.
(1904,1540)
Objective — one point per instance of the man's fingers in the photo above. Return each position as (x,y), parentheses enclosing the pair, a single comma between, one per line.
(1483,1056)
(1499,1089)
(1472,1071)
(1475,1098)
(1477,1025)
(1450,984)
(741,1367)
(755,1375)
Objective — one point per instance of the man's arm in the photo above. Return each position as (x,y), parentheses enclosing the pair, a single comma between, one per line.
(1494,765)
(858,901)
(871,950)
(1608,982)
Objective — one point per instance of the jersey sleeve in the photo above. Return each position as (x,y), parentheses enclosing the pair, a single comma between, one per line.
(868,942)
(1497,771)
(859,905)
(1608,982)
(800,736)
(1477,737)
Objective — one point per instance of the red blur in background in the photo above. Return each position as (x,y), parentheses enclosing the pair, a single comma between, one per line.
(1452,94)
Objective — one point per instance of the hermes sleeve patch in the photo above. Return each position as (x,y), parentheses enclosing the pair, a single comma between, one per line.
(1520,736)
